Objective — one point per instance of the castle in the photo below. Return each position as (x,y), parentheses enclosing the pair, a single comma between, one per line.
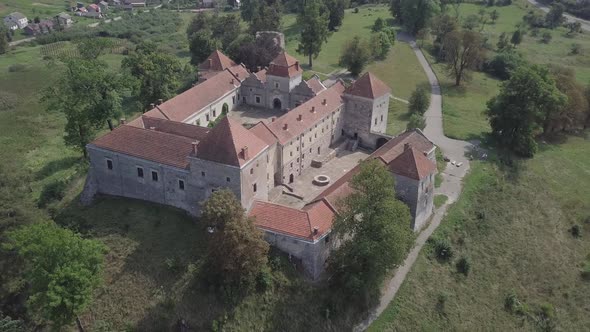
(169,156)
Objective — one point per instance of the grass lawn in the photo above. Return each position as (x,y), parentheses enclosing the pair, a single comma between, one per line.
(463,106)
(401,71)
(398,117)
(32,8)
(513,223)
(439,200)
(353,24)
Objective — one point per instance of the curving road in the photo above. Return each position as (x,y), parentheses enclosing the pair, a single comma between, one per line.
(568,17)
(451,186)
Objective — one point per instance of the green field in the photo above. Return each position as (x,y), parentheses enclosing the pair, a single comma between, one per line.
(32,8)
(513,222)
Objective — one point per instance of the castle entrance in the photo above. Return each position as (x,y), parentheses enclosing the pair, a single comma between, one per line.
(277,104)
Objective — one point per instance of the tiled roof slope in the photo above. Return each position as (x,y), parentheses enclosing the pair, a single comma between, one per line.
(171,127)
(239,71)
(291,221)
(368,86)
(217,61)
(196,98)
(156,146)
(315,85)
(284,65)
(262,132)
(395,146)
(225,141)
(333,98)
(412,164)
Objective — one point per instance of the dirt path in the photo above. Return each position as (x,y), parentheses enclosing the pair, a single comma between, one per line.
(451,186)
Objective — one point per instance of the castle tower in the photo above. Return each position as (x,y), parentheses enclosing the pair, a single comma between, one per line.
(367,104)
(284,74)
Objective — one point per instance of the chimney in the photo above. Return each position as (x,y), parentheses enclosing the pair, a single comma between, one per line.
(160,101)
(324,102)
(152,106)
(122,121)
(273,119)
(245,152)
(195,143)
(300,117)
(407,146)
(315,231)
(286,126)
(313,109)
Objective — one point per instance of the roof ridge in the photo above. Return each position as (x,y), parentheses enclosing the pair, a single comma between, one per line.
(156,131)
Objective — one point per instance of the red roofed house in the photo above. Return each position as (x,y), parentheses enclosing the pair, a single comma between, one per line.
(169,156)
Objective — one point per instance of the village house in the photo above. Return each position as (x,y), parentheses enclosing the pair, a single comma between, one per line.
(170,156)
(15,21)
(64,20)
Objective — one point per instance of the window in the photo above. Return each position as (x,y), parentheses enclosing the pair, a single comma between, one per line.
(207,117)
(297,159)
(291,164)
(291,153)
(181,184)
(381,117)
(309,139)
(233,99)
(309,150)
(203,173)
(228,179)
(109,164)
(318,150)
(243,99)
(303,156)
(375,120)
(154,176)
(276,85)
(267,159)
(214,113)
(254,187)
(257,99)
(315,135)
(140,172)
(251,170)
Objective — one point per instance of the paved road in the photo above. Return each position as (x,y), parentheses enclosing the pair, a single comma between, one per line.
(568,17)
(451,186)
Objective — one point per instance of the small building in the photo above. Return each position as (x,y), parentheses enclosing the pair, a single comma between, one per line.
(46,26)
(16,21)
(64,20)
(32,29)
(104,6)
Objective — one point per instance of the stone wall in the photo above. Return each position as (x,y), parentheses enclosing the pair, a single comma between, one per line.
(212,111)
(366,119)
(418,195)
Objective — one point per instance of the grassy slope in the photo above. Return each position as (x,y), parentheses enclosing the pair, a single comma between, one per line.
(32,8)
(463,106)
(513,225)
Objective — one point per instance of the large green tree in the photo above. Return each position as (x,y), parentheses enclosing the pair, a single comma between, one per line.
(416,14)
(463,51)
(355,55)
(574,113)
(157,73)
(263,15)
(62,270)
(373,228)
(313,21)
(237,252)
(89,95)
(525,102)
(335,12)
(201,45)
(419,101)
(554,17)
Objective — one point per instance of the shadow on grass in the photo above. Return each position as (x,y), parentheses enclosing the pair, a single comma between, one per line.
(55,166)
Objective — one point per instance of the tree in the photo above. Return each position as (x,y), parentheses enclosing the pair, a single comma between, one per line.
(3,40)
(237,252)
(380,45)
(373,228)
(88,95)
(504,63)
(314,29)
(355,55)
(416,121)
(574,27)
(471,22)
(336,12)
(546,38)
(574,113)
(464,50)
(419,101)
(224,28)
(62,269)
(263,15)
(554,17)
(254,53)
(494,15)
(36,19)
(158,73)
(416,14)
(441,25)
(92,48)
(503,43)
(395,8)
(378,25)
(516,38)
(201,45)
(519,111)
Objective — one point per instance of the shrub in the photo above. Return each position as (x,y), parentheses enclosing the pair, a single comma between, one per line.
(53,191)
(546,38)
(512,303)
(8,101)
(173,264)
(378,25)
(503,64)
(464,266)
(575,49)
(419,101)
(416,121)
(264,279)
(442,249)
(576,231)
(441,301)
(586,271)
(356,10)
(17,67)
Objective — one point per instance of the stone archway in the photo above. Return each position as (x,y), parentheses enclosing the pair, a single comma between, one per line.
(380,142)
(277,104)
(224,108)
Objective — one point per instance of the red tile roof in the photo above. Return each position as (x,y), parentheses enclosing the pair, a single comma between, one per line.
(196,98)
(171,127)
(395,146)
(412,164)
(239,71)
(284,65)
(225,142)
(261,131)
(261,75)
(217,61)
(368,86)
(310,223)
(295,127)
(315,85)
(152,145)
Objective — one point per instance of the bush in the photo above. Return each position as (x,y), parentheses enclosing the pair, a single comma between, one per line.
(513,305)
(356,10)
(575,49)
(416,121)
(586,271)
(442,249)
(8,101)
(264,280)
(464,266)
(546,38)
(17,67)
(576,231)
(419,101)
(54,191)
(503,64)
